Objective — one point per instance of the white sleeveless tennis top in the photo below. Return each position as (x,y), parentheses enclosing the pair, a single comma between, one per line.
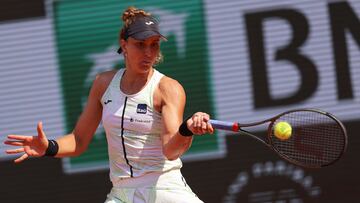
(133,129)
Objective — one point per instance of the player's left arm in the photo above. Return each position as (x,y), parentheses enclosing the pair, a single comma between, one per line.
(173,101)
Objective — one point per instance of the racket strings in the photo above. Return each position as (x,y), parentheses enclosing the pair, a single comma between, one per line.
(316,140)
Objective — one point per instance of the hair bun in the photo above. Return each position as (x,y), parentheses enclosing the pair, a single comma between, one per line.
(130,13)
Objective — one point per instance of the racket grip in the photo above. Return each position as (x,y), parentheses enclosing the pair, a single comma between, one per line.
(224,125)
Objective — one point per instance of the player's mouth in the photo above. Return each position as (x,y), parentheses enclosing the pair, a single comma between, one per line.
(146,63)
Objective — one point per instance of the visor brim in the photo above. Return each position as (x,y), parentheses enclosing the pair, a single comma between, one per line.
(147,34)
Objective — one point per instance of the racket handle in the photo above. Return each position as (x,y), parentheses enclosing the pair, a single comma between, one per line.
(225,125)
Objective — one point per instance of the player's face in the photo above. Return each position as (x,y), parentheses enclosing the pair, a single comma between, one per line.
(141,54)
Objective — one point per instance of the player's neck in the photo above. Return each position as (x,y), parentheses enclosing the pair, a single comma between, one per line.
(132,82)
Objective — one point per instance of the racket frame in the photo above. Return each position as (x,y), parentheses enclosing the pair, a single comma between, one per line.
(237,127)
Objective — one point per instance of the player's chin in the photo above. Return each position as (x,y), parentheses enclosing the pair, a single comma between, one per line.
(145,67)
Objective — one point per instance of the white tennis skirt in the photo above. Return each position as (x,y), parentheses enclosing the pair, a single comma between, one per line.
(155,187)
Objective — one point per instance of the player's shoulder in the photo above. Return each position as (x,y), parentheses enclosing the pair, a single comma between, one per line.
(103,79)
(169,83)
(106,75)
(170,87)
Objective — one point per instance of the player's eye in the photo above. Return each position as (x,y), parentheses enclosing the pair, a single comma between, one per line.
(140,45)
(155,45)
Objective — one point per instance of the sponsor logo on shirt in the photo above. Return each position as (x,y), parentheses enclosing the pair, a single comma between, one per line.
(141,108)
(139,120)
(107,101)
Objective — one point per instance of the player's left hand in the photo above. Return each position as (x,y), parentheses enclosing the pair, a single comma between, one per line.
(199,125)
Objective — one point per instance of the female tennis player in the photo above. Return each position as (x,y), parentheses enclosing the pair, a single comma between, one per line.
(142,114)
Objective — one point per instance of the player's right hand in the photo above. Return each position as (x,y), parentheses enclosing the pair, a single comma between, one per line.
(29,145)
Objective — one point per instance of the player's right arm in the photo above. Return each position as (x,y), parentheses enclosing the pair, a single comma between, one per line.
(72,144)
(77,142)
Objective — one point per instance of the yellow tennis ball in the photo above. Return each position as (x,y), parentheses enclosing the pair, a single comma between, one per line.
(283,130)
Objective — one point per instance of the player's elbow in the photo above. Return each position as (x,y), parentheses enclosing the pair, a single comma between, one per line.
(172,157)
(80,150)
(81,145)
(170,154)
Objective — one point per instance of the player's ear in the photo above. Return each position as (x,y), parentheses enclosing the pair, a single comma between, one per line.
(123,44)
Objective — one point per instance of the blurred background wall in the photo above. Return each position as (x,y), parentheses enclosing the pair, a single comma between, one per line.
(238,60)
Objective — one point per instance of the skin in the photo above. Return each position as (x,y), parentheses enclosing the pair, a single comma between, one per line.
(169,100)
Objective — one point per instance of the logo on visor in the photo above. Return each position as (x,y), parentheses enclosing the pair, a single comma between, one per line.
(141,108)
(149,23)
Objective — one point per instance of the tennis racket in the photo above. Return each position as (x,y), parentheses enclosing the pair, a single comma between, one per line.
(318,138)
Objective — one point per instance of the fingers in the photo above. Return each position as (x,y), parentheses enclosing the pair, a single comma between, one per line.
(20,137)
(15,151)
(22,158)
(40,131)
(210,128)
(29,144)
(200,123)
(27,138)
(14,143)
